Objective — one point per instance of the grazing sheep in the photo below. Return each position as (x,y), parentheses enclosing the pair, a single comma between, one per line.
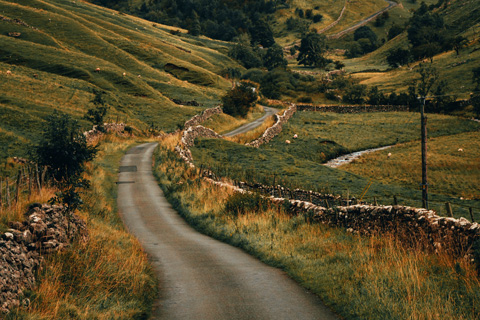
(389,155)
(97,70)
(295,136)
(124,74)
(287,141)
(460,150)
(9,72)
(139,76)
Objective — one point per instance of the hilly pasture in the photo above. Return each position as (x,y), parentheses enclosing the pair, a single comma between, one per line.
(59,55)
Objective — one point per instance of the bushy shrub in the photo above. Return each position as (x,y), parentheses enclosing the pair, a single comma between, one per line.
(239,100)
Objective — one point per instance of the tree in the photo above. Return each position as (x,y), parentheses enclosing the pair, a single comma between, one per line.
(476,78)
(312,50)
(458,43)
(426,33)
(475,97)
(398,57)
(246,56)
(262,34)
(394,31)
(375,97)
(355,94)
(64,150)
(239,100)
(428,77)
(274,58)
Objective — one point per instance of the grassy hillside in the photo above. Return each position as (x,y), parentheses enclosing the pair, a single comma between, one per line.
(53,48)
(461,18)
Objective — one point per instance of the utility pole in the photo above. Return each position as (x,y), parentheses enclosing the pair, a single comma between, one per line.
(424,154)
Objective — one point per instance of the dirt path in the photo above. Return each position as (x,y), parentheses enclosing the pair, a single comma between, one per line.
(363,22)
(201,278)
(254,124)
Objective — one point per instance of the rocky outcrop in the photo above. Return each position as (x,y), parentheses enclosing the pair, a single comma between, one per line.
(352,109)
(274,130)
(46,229)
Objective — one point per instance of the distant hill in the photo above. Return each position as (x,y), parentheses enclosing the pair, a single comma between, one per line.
(59,55)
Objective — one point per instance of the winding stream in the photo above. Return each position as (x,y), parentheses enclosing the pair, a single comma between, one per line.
(335,163)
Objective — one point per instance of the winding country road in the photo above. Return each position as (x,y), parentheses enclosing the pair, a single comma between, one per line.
(201,278)
(254,124)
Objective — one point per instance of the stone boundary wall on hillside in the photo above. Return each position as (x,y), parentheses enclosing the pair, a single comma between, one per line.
(199,118)
(46,229)
(118,128)
(416,227)
(274,130)
(190,134)
(352,109)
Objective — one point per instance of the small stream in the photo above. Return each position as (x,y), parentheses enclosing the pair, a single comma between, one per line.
(335,163)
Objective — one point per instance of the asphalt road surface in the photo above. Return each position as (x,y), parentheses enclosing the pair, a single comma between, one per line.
(201,278)
(252,125)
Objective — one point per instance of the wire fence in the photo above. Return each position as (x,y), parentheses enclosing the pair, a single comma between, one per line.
(29,178)
(277,187)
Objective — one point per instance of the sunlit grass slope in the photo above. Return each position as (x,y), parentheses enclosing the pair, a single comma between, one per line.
(323,136)
(461,19)
(453,165)
(53,66)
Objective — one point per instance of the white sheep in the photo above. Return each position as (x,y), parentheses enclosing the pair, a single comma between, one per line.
(124,74)
(97,70)
(295,136)
(287,141)
(389,155)
(460,150)
(9,72)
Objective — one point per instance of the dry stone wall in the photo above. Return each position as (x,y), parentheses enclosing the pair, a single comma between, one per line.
(415,227)
(46,229)
(199,118)
(118,128)
(352,109)
(274,130)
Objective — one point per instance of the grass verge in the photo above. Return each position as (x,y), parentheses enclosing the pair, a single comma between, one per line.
(359,277)
(109,276)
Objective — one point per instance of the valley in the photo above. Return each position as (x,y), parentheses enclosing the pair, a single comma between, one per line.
(147,67)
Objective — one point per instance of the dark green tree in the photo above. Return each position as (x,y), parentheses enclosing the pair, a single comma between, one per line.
(246,56)
(239,100)
(398,57)
(274,58)
(312,50)
(394,31)
(262,34)
(355,94)
(458,43)
(63,149)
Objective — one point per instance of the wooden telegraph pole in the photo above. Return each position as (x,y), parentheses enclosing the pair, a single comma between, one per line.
(424,154)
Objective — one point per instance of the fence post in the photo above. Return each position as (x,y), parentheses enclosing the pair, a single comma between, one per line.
(395,200)
(38,177)
(8,193)
(29,177)
(375,201)
(448,206)
(471,213)
(19,178)
(1,192)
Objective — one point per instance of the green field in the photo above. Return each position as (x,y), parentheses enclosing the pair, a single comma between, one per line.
(299,164)
(61,44)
